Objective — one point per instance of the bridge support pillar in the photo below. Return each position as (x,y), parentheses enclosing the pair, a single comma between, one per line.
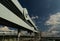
(18,34)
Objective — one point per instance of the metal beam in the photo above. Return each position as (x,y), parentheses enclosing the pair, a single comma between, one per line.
(10,16)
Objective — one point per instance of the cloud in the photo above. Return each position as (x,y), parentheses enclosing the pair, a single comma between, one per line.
(50,34)
(34,17)
(54,21)
(55,32)
(54,26)
(4,28)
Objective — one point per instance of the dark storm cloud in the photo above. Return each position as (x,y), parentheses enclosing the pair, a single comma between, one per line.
(42,8)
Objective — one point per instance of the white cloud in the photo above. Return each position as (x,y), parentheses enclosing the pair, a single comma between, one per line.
(4,28)
(34,17)
(50,34)
(54,21)
(55,32)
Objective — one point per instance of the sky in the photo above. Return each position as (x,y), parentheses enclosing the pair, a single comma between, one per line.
(45,13)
